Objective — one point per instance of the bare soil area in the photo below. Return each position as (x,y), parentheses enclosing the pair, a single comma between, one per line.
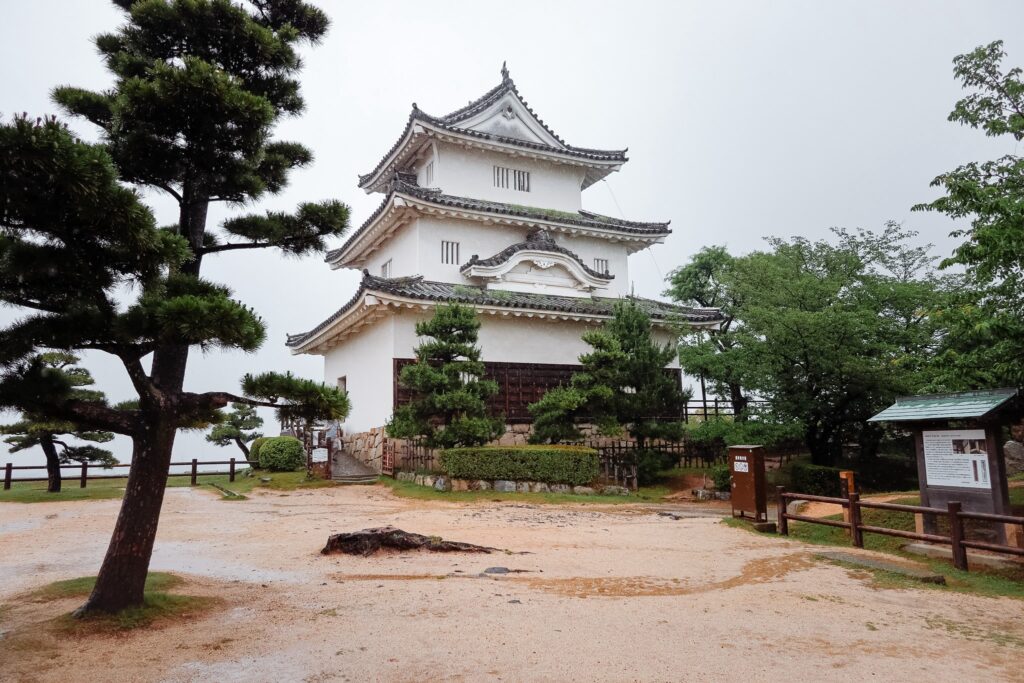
(616,593)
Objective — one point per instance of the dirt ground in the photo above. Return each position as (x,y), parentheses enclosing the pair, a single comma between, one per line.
(608,594)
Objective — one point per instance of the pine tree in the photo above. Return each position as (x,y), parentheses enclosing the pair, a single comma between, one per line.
(237,428)
(622,385)
(50,435)
(449,407)
(199,86)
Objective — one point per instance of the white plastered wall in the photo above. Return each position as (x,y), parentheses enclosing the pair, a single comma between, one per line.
(487,240)
(470,173)
(365,360)
(402,249)
(517,339)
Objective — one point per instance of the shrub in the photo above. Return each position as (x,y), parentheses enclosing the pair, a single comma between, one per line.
(814,479)
(573,465)
(649,463)
(282,454)
(722,477)
(254,449)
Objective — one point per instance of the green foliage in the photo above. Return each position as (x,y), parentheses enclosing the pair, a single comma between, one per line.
(812,479)
(712,354)
(762,432)
(254,449)
(622,384)
(237,428)
(722,477)
(650,463)
(298,400)
(449,405)
(985,345)
(833,331)
(50,435)
(555,415)
(282,454)
(551,464)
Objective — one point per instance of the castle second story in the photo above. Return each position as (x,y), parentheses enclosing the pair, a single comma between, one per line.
(489,196)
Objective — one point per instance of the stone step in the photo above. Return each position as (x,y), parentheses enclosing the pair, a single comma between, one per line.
(358,479)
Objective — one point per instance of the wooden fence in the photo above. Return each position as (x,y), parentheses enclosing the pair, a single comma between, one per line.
(84,474)
(853,506)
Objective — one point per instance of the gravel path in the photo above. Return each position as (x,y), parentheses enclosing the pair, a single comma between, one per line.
(605,594)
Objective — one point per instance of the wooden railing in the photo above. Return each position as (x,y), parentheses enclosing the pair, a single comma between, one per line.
(854,505)
(84,474)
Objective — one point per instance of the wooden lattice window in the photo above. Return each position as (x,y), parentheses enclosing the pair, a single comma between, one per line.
(601,265)
(449,252)
(510,178)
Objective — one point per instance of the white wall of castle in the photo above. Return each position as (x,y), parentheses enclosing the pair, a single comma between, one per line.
(415,249)
(463,172)
(366,359)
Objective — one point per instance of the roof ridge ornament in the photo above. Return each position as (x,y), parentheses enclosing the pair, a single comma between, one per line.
(505,78)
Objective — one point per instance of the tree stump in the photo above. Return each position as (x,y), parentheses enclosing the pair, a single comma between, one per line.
(368,541)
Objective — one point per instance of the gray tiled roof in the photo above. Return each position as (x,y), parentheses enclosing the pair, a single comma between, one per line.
(450,122)
(580,218)
(538,240)
(417,288)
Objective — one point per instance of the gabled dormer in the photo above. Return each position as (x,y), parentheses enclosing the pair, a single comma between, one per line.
(513,149)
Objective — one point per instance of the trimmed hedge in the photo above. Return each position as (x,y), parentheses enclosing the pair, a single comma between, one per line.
(282,454)
(254,448)
(571,465)
(814,479)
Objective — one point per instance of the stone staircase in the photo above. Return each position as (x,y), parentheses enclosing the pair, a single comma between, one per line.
(348,470)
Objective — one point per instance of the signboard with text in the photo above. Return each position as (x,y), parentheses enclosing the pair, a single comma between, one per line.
(956,457)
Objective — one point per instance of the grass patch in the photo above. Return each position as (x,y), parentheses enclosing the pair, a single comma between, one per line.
(82,586)
(105,489)
(157,606)
(980,580)
(408,489)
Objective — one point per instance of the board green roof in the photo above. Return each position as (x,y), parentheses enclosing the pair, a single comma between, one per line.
(963,405)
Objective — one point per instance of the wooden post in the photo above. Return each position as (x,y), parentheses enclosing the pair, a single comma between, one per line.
(782,521)
(7,476)
(231,470)
(847,488)
(855,530)
(956,535)
(85,475)
(195,464)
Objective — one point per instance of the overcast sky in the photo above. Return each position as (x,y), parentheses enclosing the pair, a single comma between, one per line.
(742,119)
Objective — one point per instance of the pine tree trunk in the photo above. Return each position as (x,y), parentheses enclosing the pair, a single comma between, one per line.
(53,479)
(245,449)
(122,577)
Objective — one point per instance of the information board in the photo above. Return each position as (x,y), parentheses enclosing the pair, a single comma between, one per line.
(957,457)
(319,455)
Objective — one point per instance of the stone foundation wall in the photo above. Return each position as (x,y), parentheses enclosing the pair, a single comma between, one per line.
(369,446)
(444,483)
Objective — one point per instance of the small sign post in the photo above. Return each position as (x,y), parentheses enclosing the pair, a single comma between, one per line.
(746,467)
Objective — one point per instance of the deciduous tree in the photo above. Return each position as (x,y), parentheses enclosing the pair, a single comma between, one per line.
(985,347)
(712,354)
